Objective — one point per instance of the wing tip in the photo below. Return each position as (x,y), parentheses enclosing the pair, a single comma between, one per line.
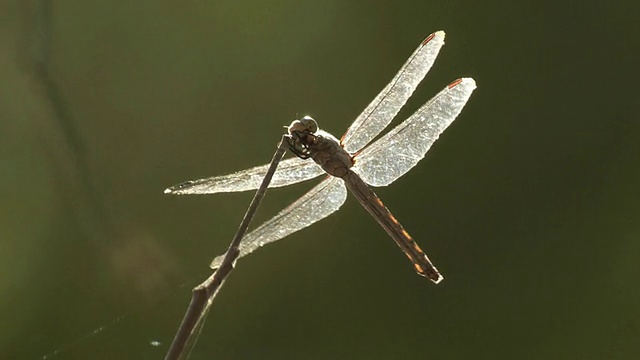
(438,36)
(179,189)
(466,81)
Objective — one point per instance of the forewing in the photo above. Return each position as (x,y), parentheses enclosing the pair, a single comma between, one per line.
(318,203)
(388,103)
(289,171)
(398,151)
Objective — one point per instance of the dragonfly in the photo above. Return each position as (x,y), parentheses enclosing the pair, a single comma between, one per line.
(353,164)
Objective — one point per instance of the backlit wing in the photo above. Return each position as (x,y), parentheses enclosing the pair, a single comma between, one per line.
(289,171)
(388,103)
(398,151)
(318,203)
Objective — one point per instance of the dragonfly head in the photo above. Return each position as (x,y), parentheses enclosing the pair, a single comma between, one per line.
(301,135)
(306,125)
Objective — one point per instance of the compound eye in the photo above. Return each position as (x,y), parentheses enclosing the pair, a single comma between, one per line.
(310,124)
(296,126)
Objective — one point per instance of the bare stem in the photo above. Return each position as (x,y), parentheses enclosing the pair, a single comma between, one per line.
(204,293)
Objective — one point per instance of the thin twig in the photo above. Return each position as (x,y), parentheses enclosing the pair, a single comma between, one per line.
(204,293)
(71,159)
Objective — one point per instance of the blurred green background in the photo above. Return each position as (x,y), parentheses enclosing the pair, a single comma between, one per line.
(528,204)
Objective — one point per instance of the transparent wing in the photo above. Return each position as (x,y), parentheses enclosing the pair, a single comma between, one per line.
(388,103)
(398,151)
(289,171)
(318,203)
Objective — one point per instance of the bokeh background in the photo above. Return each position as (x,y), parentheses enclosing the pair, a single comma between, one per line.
(528,204)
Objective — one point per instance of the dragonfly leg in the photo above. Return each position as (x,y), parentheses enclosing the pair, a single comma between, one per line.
(299,143)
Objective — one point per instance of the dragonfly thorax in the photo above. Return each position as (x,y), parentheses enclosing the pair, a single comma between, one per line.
(307,141)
